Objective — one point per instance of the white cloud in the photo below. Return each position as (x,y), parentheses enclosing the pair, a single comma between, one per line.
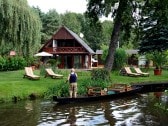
(61,6)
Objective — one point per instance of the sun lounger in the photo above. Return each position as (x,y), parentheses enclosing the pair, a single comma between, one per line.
(130,73)
(138,70)
(50,72)
(29,74)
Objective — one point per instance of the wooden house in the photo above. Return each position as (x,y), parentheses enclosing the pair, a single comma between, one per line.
(70,49)
(99,54)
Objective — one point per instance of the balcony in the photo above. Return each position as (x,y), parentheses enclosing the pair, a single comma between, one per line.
(64,50)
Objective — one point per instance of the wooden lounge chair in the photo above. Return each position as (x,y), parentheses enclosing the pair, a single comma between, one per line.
(138,70)
(130,73)
(50,72)
(29,74)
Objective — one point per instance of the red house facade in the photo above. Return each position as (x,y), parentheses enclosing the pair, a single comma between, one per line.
(70,49)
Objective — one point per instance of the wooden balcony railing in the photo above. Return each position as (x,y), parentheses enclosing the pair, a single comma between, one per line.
(64,49)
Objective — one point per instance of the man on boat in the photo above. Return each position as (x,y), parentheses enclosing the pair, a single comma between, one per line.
(72,78)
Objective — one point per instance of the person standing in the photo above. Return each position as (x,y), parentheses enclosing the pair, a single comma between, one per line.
(72,78)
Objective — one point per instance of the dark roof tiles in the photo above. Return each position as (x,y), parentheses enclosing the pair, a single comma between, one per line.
(80,40)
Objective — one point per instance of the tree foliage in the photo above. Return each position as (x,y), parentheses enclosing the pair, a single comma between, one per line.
(154,26)
(79,23)
(120,59)
(107,27)
(51,22)
(92,33)
(72,21)
(22,25)
(19,28)
(121,12)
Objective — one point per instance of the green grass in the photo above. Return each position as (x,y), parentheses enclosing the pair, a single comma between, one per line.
(128,80)
(13,84)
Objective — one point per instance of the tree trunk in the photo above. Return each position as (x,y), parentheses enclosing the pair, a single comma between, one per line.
(115,35)
(112,46)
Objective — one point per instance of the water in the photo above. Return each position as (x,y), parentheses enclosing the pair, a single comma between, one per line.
(131,111)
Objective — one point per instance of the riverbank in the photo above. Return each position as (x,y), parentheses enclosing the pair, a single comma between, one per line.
(13,85)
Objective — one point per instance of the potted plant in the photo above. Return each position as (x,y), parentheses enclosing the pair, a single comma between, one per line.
(159,59)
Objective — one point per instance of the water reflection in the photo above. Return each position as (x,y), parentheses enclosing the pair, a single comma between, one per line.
(80,114)
(158,94)
(131,111)
(19,114)
(66,115)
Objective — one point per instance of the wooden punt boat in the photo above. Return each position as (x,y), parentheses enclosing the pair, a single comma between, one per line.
(110,93)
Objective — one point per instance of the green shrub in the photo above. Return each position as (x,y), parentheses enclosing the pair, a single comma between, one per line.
(42,70)
(2,63)
(31,61)
(120,59)
(12,63)
(61,89)
(100,74)
(16,63)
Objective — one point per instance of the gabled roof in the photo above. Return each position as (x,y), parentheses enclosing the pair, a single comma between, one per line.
(99,51)
(80,40)
(132,51)
(76,37)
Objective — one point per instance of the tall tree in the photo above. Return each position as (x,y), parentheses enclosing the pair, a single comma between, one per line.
(154,26)
(51,21)
(122,13)
(19,27)
(71,20)
(92,33)
(107,27)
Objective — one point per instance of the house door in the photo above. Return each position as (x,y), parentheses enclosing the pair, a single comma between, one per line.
(77,61)
(68,61)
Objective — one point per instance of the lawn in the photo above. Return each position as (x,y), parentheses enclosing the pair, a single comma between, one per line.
(13,84)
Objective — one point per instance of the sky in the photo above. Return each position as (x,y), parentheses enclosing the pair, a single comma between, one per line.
(61,6)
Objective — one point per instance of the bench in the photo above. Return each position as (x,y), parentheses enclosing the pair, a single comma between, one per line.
(113,89)
(119,88)
(95,91)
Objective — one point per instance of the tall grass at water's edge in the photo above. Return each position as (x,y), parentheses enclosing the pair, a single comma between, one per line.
(12,83)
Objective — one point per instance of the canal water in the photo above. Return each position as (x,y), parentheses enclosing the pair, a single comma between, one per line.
(141,110)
